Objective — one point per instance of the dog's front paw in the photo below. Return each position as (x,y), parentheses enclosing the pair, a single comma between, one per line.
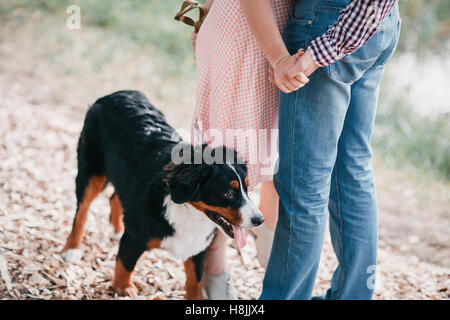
(117,236)
(126,291)
(72,255)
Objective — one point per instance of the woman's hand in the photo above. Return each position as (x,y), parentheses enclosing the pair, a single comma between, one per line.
(261,21)
(285,74)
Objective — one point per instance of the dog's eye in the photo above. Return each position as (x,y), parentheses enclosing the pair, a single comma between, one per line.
(229,195)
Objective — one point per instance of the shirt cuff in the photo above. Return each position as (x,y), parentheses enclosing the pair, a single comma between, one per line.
(322,51)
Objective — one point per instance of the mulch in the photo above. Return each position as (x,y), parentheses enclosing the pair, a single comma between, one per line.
(37,204)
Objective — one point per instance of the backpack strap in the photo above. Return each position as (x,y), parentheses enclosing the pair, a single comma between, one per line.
(187,6)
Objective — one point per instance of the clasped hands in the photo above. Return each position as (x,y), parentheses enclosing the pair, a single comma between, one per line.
(290,73)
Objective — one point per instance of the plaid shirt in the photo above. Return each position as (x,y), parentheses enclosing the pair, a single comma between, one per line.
(356,24)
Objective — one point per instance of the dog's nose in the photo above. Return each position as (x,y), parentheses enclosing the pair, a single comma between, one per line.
(257,220)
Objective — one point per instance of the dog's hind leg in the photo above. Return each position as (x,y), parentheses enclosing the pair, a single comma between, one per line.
(194,271)
(116,216)
(87,191)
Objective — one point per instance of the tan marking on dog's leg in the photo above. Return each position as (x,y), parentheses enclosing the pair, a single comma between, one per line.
(193,286)
(94,187)
(122,283)
(116,215)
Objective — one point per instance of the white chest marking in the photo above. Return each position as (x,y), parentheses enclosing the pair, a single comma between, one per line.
(192,230)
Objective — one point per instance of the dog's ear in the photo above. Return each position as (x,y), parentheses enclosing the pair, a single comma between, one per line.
(184,181)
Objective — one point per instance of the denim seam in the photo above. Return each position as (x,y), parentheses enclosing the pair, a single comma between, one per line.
(310,27)
(387,55)
(341,235)
(329,8)
(308,22)
(291,183)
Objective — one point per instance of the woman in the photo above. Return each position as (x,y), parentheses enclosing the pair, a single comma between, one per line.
(239,41)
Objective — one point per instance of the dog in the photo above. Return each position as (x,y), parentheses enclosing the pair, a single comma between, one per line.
(157,203)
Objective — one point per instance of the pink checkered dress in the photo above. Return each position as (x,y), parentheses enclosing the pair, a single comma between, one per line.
(236,104)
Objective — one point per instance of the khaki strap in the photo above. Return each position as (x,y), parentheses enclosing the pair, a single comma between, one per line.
(187,6)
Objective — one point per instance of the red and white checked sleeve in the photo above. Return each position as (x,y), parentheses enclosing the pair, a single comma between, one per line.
(357,22)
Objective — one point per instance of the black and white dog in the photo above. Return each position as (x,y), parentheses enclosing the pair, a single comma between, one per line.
(157,203)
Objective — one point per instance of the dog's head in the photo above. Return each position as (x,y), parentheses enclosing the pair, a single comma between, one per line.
(218,189)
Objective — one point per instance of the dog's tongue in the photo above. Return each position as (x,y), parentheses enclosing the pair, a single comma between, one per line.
(239,236)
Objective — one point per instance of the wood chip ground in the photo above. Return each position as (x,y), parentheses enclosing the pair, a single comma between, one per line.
(37,205)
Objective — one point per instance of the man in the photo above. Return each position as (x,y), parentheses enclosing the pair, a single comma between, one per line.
(324,145)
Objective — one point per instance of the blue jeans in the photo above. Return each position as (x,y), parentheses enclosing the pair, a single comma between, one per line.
(325,162)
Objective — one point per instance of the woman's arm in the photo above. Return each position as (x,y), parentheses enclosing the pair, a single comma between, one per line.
(259,16)
(262,23)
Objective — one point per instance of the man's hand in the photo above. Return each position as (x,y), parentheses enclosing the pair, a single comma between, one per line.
(291,75)
(305,64)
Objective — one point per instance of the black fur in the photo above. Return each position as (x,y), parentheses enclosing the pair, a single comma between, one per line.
(126,139)
(199,261)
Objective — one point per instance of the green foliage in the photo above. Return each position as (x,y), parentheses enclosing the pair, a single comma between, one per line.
(425,25)
(401,136)
(404,138)
(146,24)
